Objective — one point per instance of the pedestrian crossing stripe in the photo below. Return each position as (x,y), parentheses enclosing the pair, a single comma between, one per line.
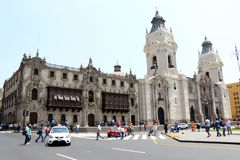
(129,137)
(144,136)
(136,137)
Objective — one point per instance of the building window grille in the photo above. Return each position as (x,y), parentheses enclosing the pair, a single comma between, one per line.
(75,77)
(104,81)
(51,74)
(131,85)
(64,75)
(132,102)
(113,82)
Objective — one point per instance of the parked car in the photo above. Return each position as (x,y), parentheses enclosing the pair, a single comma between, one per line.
(59,134)
(180,126)
(183,126)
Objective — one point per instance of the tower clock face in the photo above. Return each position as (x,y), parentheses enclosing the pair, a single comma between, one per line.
(174,71)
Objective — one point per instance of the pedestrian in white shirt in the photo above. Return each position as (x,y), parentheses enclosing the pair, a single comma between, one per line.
(228,124)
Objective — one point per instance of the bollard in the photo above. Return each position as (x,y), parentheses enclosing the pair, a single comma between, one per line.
(193,127)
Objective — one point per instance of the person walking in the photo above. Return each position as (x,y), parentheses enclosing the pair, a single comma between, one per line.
(122,132)
(40,134)
(155,128)
(150,131)
(166,126)
(176,127)
(47,130)
(207,126)
(27,134)
(98,132)
(224,128)
(217,124)
(228,124)
(77,128)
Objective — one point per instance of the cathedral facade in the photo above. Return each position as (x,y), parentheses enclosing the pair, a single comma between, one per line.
(85,95)
(166,94)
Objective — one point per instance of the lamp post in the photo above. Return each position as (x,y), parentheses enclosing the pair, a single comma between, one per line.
(237,54)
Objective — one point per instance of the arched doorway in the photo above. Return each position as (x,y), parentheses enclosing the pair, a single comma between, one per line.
(133,119)
(192,114)
(33,117)
(206,112)
(91,120)
(160,115)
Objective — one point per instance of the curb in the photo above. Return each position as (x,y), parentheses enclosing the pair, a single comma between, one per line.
(212,142)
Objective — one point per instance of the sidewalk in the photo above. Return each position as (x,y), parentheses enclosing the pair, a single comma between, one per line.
(201,137)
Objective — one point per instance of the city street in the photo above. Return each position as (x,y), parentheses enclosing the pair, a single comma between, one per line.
(139,147)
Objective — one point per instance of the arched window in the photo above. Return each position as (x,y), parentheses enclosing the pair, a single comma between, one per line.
(75,119)
(90,96)
(159,96)
(35,71)
(154,62)
(174,85)
(34,94)
(207,74)
(170,65)
(132,102)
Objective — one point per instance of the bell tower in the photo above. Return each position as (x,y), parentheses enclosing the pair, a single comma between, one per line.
(160,48)
(209,62)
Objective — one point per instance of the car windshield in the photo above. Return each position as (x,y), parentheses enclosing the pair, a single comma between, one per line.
(59,130)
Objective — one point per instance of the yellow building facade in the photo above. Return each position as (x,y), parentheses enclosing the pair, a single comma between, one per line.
(234,96)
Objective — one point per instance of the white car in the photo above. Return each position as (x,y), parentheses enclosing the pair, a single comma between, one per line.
(59,134)
(183,126)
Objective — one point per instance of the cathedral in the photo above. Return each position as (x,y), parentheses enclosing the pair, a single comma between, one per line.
(85,95)
(166,94)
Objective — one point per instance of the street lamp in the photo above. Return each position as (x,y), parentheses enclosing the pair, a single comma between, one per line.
(237,54)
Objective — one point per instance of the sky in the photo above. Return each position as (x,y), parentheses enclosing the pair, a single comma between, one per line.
(69,32)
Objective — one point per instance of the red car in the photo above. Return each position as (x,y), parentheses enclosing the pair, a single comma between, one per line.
(113,132)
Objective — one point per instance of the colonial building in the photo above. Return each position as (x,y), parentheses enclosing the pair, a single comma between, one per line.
(86,95)
(234,95)
(78,95)
(166,94)
(1,109)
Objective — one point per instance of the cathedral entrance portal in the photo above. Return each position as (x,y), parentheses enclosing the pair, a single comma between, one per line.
(192,114)
(91,120)
(160,115)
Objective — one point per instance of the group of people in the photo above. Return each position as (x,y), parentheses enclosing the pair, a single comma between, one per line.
(224,124)
(142,126)
(27,132)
